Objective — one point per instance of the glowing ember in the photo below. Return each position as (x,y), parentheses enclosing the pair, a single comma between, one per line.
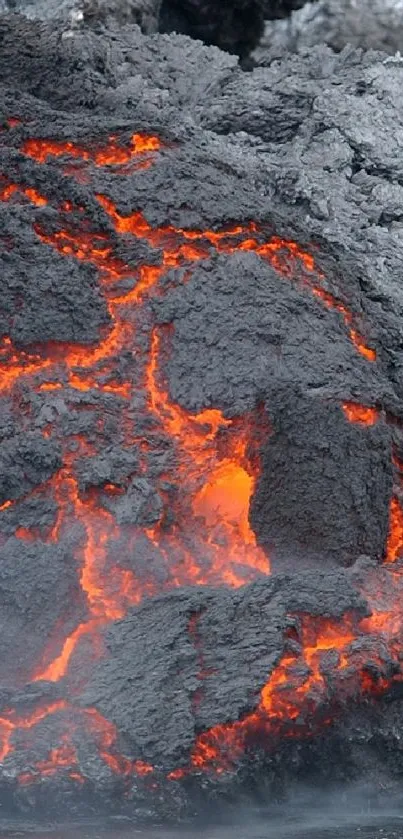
(394,545)
(109,155)
(360,413)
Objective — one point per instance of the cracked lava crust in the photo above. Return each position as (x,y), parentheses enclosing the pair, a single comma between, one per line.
(200,515)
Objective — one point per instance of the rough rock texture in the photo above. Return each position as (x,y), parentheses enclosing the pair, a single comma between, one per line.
(370,24)
(295,510)
(71,14)
(228,627)
(31,612)
(217,303)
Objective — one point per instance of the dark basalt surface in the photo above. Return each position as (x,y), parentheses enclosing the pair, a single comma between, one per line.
(302,148)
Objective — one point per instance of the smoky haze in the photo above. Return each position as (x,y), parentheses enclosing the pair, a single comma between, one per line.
(338,813)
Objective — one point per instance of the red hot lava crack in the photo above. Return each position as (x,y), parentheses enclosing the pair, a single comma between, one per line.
(212,449)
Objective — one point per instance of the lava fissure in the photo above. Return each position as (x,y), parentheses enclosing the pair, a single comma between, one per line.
(209,539)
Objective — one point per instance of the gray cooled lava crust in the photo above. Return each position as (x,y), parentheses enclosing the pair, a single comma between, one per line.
(309,150)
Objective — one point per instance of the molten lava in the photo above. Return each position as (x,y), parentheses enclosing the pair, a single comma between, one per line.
(394,545)
(360,413)
(110,154)
(209,539)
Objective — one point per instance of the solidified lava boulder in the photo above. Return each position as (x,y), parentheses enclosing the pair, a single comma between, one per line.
(200,375)
(211,653)
(30,575)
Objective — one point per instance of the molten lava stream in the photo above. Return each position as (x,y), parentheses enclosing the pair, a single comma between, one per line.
(361,414)
(212,538)
(394,545)
(217,481)
(110,154)
(108,594)
(286,257)
(64,756)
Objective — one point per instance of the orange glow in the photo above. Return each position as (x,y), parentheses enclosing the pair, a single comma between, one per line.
(12,722)
(219,486)
(25,534)
(12,189)
(203,535)
(360,413)
(59,666)
(62,757)
(332,303)
(142,768)
(50,386)
(394,545)
(6,505)
(109,155)
(284,697)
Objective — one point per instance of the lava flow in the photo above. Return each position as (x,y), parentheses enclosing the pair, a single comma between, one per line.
(207,537)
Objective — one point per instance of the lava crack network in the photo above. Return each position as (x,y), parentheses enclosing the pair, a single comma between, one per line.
(216,463)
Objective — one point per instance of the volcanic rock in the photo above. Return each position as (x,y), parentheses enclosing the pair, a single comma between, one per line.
(211,653)
(233,25)
(30,574)
(370,24)
(200,375)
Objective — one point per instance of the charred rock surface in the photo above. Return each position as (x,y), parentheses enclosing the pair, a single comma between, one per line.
(200,376)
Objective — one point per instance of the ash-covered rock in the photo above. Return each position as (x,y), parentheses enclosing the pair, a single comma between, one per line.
(27,460)
(232,25)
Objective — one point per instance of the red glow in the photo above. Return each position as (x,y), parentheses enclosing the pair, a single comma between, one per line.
(111,154)
(282,699)
(394,546)
(210,539)
(360,413)
(142,768)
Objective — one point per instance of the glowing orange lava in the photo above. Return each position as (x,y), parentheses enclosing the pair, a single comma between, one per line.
(209,539)
(220,481)
(394,545)
(361,414)
(110,154)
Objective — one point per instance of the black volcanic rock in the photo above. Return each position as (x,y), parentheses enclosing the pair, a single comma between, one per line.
(306,482)
(36,303)
(274,9)
(27,460)
(233,25)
